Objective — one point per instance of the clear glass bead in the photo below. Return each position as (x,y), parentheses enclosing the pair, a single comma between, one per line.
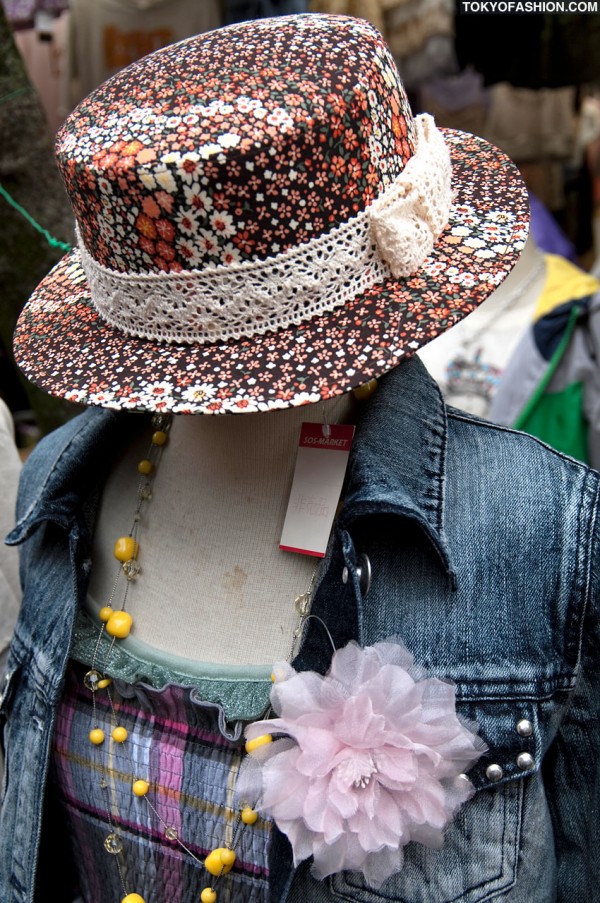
(302,603)
(171,833)
(145,493)
(103,783)
(131,569)
(113,844)
(91,678)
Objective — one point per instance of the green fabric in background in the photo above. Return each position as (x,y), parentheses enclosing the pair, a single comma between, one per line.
(558,419)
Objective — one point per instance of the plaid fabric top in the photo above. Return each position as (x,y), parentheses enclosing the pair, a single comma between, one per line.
(175,744)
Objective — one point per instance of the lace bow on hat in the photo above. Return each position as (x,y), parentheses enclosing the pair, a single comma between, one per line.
(410,216)
(372,756)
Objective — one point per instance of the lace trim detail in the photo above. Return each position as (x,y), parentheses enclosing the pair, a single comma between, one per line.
(391,237)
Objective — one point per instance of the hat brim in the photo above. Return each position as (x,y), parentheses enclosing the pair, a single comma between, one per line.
(63,346)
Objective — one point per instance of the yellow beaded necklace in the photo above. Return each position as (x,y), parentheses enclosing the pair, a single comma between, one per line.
(116,624)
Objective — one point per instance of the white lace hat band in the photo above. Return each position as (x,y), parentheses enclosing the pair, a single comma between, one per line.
(393,236)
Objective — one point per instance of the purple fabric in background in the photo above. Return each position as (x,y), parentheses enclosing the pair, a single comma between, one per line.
(21,13)
(547,233)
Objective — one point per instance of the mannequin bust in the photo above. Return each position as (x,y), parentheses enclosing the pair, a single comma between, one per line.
(215,586)
(468,360)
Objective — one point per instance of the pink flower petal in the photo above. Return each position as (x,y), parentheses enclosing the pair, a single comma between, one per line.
(369,762)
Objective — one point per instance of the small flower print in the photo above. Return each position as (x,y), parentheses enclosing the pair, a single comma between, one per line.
(229,139)
(222,223)
(186,220)
(188,251)
(199,201)
(209,242)
(230,254)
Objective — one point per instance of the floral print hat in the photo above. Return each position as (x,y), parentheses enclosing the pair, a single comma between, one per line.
(261,223)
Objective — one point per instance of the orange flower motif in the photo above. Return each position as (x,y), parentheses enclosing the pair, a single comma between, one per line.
(146,226)
(150,208)
(132,148)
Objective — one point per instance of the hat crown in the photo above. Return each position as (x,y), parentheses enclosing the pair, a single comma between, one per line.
(236,145)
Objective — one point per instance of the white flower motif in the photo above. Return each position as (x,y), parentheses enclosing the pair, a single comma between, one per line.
(164,179)
(200,201)
(229,139)
(222,223)
(197,393)
(245,104)
(77,396)
(208,150)
(187,221)
(147,179)
(230,254)
(188,250)
(208,242)
(156,390)
(189,168)
(101,398)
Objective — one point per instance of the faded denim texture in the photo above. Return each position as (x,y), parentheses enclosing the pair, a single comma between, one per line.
(484,547)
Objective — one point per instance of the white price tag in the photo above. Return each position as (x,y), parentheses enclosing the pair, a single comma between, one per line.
(318,479)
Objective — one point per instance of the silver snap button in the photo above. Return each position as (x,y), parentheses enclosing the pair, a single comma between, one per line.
(524,728)
(525,761)
(494,773)
(363,571)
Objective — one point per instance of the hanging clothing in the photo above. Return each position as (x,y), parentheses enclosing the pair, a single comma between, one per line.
(107,35)
(470,360)
(22,13)
(243,10)
(551,386)
(530,51)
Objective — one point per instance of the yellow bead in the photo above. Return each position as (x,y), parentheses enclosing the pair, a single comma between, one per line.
(104,683)
(96,736)
(365,391)
(227,857)
(119,624)
(145,467)
(208,895)
(105,613)
(249,816)
(251,745)
(219,861)
(126,547)
(140,788)
(159,437)
(133,898)
(119,734)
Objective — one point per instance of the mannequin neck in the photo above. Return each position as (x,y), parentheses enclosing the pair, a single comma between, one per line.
(215,585)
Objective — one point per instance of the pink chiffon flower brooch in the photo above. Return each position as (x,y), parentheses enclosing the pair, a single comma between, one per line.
(370,757)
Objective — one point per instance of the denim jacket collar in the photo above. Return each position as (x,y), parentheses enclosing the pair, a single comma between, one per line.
(398,462)
(396,466)
(73,462)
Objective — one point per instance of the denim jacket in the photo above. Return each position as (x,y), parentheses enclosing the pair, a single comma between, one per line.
(483,545)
